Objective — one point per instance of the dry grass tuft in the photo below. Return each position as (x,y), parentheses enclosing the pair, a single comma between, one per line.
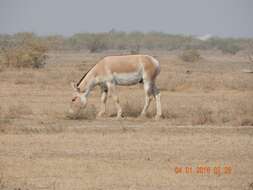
(246,121)
(1,66)
(2,182)
(3,120)
(191,55)
(26,51)
(244,112)
(215,83)
(202,116)
(25,78)
(8,184)
(130,110)
(1,112)
(18,111)
(169,114)
(15,111)
(89,113)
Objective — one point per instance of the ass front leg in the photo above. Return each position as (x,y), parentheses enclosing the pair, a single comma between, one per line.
(148,98)
(119,109)
(103,104)
(157,96)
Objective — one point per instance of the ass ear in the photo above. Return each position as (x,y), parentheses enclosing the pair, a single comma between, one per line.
(73,85)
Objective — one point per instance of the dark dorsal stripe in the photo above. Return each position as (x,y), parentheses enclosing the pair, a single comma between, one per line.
(84,76)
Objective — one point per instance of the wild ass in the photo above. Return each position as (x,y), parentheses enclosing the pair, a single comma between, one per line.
(119,70)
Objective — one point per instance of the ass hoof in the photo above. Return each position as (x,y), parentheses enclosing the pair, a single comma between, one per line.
(158,117)
(100,114)
(143,116)
(119,118)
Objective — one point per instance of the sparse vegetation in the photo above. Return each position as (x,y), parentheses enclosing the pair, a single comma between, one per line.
(243,109)
(23,50)
(14,111)
(227,45)
(177,77)
(249,50)
(96,43)
(131,110)
(133,42)
(88,113)
(229,48)
(190,55)
(212,91)
(169,114)
(202,116)
(41,87)
(3,119)
(17,111)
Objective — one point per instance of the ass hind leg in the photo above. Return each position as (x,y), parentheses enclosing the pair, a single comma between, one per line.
(115,97)
(157,95)
(148,98)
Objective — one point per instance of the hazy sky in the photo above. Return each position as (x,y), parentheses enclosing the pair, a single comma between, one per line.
(198,17)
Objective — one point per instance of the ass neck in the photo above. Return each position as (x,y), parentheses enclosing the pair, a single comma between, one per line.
(87,85)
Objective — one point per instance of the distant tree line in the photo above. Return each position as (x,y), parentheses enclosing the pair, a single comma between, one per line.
(135,41)
(28,49)
(22,50)
(132,41)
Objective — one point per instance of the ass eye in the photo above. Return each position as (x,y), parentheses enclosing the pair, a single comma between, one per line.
(73,99)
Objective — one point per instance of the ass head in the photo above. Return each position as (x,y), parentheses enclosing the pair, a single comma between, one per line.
(78,100)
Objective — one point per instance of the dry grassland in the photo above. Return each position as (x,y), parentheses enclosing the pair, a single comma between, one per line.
(207,121)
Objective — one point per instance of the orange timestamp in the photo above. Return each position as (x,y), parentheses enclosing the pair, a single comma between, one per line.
(204,170)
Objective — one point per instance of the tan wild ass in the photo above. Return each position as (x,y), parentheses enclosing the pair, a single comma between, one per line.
(119,70)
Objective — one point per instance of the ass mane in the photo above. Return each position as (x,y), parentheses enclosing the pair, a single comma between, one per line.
(84,76)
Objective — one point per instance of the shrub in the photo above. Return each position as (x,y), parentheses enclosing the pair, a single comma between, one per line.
(24,50)
(3,121)
(88,113)
(55,42)
(18,110)
(131,110)
(190,55)
(97,43)
(229,48)
(135,50)
(131,41)
(226,45)
(202,116)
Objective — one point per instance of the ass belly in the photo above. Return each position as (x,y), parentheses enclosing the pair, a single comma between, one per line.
(127,78)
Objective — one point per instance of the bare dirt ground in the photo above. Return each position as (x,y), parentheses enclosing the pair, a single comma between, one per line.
(204,140)
(127,156)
